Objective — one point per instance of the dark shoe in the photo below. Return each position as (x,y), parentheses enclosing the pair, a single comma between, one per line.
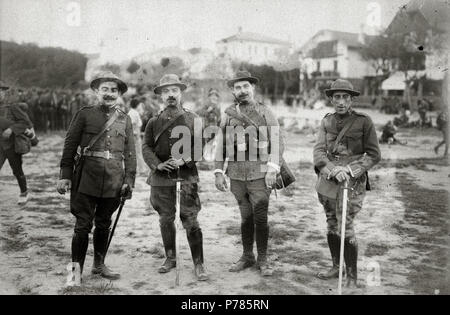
(100,244)
(332,273)
(242,264)
(334,243)
(266,269)
(105,272)
(168,264)
(200,272)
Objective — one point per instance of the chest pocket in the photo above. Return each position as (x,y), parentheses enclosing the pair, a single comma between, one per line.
(331,138)
(355,142)
(117,136)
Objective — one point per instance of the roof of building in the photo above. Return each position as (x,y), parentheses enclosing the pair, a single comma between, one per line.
(421,15)
(253,37)
(350,39)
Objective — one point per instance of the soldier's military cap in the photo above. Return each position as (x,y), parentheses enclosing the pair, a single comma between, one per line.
(167,80)
(242,76)
(106,76)
(341,86)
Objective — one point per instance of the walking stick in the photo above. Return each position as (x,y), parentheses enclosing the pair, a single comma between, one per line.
(178,227)
(122,203)
(343,219)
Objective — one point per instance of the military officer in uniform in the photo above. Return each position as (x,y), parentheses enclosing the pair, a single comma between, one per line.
(166,166)
(346,148)
(14,122)
(253,177)
(105,170)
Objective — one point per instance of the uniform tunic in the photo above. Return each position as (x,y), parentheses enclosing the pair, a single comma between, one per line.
(358,150)
(100,177)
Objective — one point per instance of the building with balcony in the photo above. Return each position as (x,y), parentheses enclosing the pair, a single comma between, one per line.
(252,48)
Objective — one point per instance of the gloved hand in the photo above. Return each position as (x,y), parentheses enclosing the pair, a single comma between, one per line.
(271,177)
(221,182)
(7,133)
(63,186)
(126,192)
(342,176)
(336,170)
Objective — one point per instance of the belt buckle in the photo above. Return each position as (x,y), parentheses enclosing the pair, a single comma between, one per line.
(107,155)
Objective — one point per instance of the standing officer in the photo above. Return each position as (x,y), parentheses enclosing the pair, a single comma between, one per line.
(346,148)
(253,178)
(15,122)
(157,151)
(105,171)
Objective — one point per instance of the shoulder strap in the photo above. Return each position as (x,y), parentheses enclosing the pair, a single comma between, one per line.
(167,125)
(242,117)
(108,124)
(344,131)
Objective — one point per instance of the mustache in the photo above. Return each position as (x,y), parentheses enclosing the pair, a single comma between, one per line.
(109,98)
(242,95)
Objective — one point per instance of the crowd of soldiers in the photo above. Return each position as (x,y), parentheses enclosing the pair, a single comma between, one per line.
(53,109)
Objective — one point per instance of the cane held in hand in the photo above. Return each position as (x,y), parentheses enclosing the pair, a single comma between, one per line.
(178,226)
(344,216)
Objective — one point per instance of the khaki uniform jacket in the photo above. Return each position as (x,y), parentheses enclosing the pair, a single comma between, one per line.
(358,149)
(249,170)
(156,153)
(20,122)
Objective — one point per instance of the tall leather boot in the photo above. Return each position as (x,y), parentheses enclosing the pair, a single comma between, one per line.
(351,262)
(168,235)
(80,243)
(100,244)
(334,243)
(262,238)
(195,240)
(248,238)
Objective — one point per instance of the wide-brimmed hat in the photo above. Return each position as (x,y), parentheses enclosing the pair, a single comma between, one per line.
(342,86)
(242,76)
(169,79)
(3,86)
(106,76)
(213,91)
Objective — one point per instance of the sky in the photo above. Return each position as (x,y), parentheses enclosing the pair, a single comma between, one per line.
(131,27)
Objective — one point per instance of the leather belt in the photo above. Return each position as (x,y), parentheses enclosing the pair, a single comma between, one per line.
(104,155)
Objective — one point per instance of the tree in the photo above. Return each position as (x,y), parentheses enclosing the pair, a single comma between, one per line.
(133,67)
(114,68)
(28,65)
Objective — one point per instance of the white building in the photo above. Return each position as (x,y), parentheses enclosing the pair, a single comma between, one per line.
(329,55)
(252,48)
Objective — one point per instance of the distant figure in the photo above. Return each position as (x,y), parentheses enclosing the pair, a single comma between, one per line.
(210,114)
(14,122)
(423,110)
(136,121)
(442,125)
(388,135)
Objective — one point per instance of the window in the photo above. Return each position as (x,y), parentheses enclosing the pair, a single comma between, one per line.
(335,65)
(318,65)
